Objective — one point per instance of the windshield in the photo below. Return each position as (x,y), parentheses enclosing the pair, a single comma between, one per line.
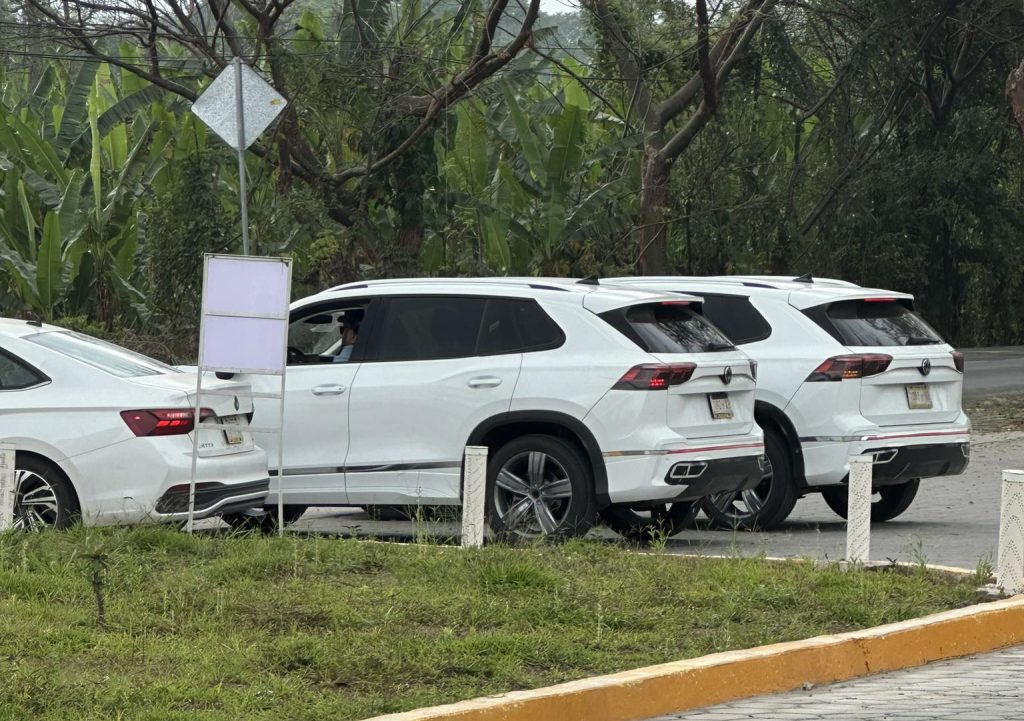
(668,328)
(878,323)
(113,359)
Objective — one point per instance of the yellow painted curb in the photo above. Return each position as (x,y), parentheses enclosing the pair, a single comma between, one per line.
(674,687)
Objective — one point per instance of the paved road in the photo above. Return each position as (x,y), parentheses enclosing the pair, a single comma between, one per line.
(954,521)
(993,370)
(980,688)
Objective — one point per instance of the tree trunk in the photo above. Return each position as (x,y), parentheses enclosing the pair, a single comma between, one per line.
(653,237)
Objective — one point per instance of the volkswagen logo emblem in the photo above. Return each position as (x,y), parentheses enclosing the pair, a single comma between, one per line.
(236,403)
(727,376)
(926,367)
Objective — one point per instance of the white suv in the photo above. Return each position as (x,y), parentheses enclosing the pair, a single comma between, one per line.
(590,398)
(844,370)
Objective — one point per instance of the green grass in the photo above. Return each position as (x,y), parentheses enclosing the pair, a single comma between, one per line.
(235,627)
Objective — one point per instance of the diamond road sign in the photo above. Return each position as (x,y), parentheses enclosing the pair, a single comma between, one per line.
(260,102)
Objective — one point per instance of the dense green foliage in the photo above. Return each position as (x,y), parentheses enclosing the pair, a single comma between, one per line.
(209,628)
(869,141)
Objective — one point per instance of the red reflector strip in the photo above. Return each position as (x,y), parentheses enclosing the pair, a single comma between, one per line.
(729,447)
(917,435)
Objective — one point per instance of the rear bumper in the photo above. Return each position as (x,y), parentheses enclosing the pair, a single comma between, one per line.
(211,498)
(678,471)
(900,453)
(718,476)
(896,465)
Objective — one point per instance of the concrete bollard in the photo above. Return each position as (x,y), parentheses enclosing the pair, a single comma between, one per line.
(1010,564)
(474,494)
(7,488)
(858,510)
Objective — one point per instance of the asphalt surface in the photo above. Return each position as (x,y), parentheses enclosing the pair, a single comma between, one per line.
(980,688)
(993,370)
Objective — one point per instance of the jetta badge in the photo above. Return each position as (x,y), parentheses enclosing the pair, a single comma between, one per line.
(926,367)
(237,406)
(727,376)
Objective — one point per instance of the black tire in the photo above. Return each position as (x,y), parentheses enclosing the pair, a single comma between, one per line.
(768,504)
(265,522)
(550,495)
(44,497)
(644,525)
(891,501)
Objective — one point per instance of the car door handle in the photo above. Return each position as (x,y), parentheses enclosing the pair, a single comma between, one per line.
(484,382)
(331,389)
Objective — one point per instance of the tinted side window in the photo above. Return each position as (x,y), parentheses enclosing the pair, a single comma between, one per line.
(15,375)
(512,325)
(430,327)
(667,328)
(874,323)
(736,317)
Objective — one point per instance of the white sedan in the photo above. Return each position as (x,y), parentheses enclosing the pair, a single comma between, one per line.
(105,435)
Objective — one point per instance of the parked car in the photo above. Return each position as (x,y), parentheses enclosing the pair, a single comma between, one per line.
(843,370)
(589,398)
(104,434)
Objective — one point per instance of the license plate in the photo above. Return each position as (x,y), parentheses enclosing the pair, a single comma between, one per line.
(721,407)
(919,397)
(233,437)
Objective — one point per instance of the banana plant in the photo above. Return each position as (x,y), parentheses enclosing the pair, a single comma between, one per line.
(538,176)
(76,154)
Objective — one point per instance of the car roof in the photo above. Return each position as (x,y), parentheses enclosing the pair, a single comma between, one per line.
(18,327)
(594,295)
(801,293)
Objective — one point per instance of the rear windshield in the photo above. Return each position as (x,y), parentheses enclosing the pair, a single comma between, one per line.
(667,328)
(115,360)
(874,323)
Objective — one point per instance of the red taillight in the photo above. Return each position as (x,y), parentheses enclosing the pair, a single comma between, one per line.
(753,369)
(164,421)
(958,360)
(655,376)
(879,300)
(845,367)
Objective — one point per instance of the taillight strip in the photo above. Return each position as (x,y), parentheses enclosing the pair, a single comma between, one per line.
(882,437)
(680,451)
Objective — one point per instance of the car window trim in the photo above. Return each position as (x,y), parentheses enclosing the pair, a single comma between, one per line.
(370,305)
(43,378)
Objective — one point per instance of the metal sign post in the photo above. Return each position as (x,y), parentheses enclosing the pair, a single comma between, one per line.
(7,486)
(243,329)
(238,106)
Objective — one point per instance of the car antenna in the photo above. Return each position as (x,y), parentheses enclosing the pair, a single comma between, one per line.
(805,278)
(589,280)
(36,322)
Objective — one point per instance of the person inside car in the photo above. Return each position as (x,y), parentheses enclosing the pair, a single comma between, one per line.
(349,335)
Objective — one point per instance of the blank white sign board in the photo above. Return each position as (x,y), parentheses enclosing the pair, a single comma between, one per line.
(245,314)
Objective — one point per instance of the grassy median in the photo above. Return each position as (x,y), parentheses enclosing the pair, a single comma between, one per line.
(240,627)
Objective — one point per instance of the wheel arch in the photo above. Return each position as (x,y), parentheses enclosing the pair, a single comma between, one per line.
(769,416)
(19,454)
(499,430)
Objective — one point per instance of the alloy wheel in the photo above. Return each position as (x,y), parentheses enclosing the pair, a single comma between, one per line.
(35,502)
(746,504)
(532,494)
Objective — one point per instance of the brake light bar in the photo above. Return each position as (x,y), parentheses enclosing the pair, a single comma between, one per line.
(655,376)
(880,300)
(847,367)
(958,360)
(164,421)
